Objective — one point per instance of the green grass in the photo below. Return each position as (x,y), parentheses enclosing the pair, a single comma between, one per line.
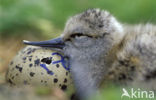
(18,16)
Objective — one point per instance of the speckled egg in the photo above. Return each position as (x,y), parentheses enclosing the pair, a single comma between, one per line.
(39,66)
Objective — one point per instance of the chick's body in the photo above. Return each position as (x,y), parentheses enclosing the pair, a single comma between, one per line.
(134,62)
(100,50)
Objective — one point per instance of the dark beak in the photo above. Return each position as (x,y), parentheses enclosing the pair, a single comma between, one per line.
(53,43)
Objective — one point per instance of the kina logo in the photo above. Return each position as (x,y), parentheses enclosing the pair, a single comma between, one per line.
(137,93)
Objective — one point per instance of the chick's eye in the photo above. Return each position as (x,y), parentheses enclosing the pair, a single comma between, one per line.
(76,35)
(79,35)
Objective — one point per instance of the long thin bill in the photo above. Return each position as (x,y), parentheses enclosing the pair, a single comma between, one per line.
(54,43)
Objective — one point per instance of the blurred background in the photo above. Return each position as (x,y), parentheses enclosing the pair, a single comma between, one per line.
(45,19)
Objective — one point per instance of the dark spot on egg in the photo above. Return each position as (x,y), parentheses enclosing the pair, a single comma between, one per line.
(64,87)
(12,77)
(55,80)
(65,80)
(11,62)
(30,59)
(32,74)
(19,68)
(24,58)
(66,73)
(10,81)
(37,62)
(17,74)
(57,65)
(30,65)
(29,52)
(47,60)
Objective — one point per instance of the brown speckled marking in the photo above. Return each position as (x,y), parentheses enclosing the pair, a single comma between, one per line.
(47,60)
(10,81)
(55,80)
(64,87)
(11,63)
(32,74)
(65,80)
(66,73)
(30,65)
(41,81)
(57,65)
(19,68)
(36,62)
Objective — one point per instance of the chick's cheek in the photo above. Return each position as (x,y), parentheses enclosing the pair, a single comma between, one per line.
(83,41)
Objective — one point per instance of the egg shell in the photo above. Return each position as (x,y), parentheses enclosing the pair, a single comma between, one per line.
(40,67)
